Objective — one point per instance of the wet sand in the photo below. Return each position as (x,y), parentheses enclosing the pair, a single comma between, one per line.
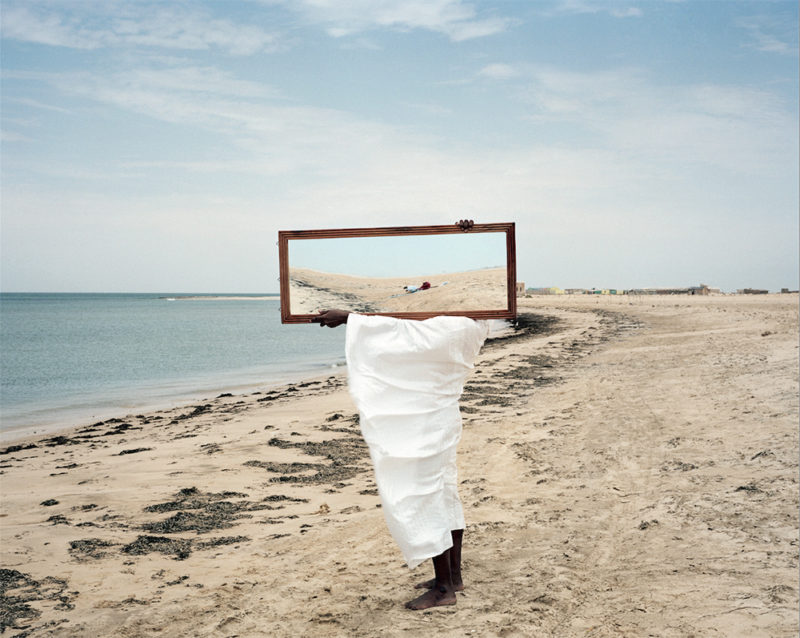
(628,468)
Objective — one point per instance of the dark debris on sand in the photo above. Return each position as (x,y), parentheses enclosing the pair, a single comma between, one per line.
(277,498)
(17,448)
(18,590)
(196,411)
(526,373)
(347,299)
(345,424)
(194,511)
(53,441)
(284,468)
(118,427)
(89,548)
(318,387)
(192,498)
(180,548)
(199,522)
(134,451)
(202,512)
(347,457)
(526,325)
(58,519)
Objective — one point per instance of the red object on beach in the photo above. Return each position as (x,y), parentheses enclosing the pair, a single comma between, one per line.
(425,285)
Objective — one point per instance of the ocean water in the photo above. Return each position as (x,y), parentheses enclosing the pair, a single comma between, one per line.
(66,359)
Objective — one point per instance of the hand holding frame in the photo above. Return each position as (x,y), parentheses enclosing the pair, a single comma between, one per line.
(331,318)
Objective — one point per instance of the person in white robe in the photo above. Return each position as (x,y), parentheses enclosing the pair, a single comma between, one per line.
(406,377)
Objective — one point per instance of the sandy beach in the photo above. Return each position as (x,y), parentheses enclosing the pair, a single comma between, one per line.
(628,467)
(312,291)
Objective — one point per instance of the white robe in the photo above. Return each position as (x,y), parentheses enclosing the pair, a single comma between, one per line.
(405,378)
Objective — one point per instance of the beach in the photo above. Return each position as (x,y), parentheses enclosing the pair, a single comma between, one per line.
(628,467)
(312,291)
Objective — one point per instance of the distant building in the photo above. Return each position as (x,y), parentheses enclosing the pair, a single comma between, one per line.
(752,291)
(553,290)
(520,288)
(702,289)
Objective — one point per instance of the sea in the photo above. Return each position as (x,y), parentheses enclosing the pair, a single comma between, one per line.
(69,359)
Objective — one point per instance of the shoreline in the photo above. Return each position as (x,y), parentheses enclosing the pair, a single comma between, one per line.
(618,458)
(68,414)
(213,297)
(184,398)
(75,357)
(24,434)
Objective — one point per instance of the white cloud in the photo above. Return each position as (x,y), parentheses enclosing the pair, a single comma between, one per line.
(454,18)
(629,12)
(140,25)
(769,36)
(460,31)
(12,136)
(40,27)
(598,6)
(715,125)
(268,134)
(498,71)
(430,108)
(638,120)
(191,79)
(35,104)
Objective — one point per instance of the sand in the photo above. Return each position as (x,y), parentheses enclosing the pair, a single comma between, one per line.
(312,291)
(628,468)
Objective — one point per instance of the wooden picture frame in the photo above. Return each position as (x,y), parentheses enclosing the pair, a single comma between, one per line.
(287,246)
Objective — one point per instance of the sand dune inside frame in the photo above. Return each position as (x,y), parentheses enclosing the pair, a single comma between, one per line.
(312,291)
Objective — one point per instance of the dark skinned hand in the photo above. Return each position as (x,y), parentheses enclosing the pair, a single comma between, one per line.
(331,318)
(465,224)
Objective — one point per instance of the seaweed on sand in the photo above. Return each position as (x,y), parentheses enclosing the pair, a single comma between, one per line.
(347,457)
(17,590)
(180,548)
(202,512)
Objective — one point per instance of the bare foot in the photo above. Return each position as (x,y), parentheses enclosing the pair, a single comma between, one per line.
(435,597)
(430,584)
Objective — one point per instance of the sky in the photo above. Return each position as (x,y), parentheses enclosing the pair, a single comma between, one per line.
(401,256)
(160,146)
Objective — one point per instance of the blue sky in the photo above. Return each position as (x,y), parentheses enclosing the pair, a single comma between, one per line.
(160,146)
(403,256)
